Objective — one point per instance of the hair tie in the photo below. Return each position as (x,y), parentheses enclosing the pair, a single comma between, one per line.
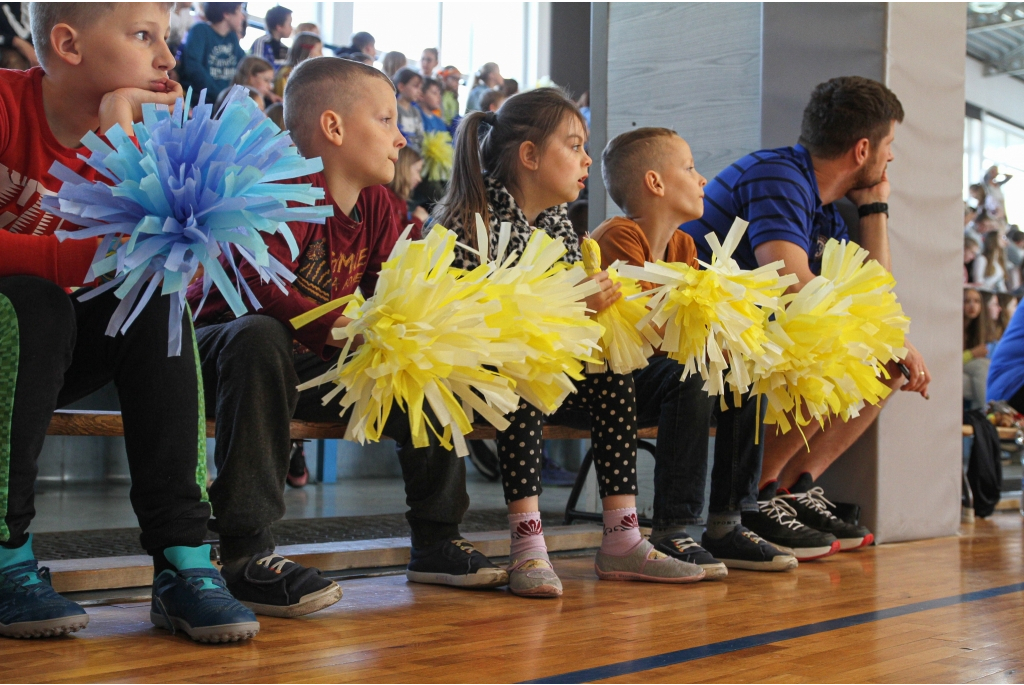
(491,118)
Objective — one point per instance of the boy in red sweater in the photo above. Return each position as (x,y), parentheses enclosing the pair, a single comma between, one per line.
(100,63)
(345,113)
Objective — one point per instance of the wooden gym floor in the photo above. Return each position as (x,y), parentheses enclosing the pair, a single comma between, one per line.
(946,610)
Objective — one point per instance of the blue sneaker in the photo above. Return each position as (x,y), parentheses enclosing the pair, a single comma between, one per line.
(195,600)
(29,606)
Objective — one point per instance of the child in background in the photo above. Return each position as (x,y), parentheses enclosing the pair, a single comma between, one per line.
(394,62)
(428,62)
(307,27)
(979,343)
(488,78)
(989,271)
(360,57)
(650,175)
(54,347)
(492,101)
(510,87)
(410,117)
(211,53)
(535,162)
(257,74)
(429,104)
(304,46)
(278,25)
(450,78)
(400,191)
(276,114)
(344,113)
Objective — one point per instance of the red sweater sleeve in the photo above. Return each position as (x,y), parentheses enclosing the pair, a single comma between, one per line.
(286,306)
(64,263)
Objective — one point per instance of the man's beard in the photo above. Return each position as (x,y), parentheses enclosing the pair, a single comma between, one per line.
(868,177)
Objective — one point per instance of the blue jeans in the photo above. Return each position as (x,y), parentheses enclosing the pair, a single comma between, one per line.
(682,411)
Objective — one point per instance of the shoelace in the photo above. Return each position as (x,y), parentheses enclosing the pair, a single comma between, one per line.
(815,499)
(778,509)
(684,543)
(19,577)
(753,537)
(464,545)
(278,567)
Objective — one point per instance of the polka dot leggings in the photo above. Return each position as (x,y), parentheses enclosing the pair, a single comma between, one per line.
(609,400)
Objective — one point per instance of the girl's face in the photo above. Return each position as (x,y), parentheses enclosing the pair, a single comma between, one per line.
(415,174)
(972,304)
(994,308)
(563,163)
(431,98)
(411,90)
(263,81)
(494,79)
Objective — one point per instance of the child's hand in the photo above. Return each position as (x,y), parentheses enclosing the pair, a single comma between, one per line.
(339,324)
(124,105)
(421,214)
(607,296)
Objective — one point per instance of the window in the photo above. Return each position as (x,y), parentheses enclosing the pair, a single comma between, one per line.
(989,141)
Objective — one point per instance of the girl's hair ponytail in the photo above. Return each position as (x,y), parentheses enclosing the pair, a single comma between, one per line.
(532,116)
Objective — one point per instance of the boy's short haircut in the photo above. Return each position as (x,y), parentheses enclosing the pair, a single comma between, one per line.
(45,15)
(432,51)
(627,158)
(489,98)
(319,84)
(276,16)
(431,83)
(216,11)
(361,40)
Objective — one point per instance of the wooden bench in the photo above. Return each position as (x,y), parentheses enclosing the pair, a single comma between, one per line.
(1005,434)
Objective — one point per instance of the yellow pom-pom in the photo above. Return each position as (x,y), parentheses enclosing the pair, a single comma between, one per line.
(437,153)
(426,338)
(714,317)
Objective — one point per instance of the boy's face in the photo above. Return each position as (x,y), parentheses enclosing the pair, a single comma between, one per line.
(371,142)
(431,98)
(285,29)
(428,63)
(236,20)
(684,187)
(127,48)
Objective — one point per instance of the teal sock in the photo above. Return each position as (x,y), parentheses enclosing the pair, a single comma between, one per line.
(9,557)
(720,525)
(189,557)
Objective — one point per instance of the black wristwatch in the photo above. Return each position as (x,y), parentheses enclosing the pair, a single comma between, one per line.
(873,208)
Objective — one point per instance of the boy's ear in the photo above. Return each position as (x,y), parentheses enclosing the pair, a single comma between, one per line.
(529,155)
(332,127)
(654,184)
(64,44)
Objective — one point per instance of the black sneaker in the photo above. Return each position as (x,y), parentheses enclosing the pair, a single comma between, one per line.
(684,548)
(298,473)
(485,460)
(273,585)
(844,511)
(745,549)
(775,521)
(812,510)
(456,563)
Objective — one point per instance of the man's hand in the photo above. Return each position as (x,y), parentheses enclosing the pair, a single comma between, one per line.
(339,324)
(919,375)
(608,294)
(124,105)
(876,193)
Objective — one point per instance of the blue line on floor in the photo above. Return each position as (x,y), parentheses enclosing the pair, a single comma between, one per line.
(726,646)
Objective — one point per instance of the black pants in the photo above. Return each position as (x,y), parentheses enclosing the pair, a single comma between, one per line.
(249,366)
(53,351)
(604,403)
(682,411)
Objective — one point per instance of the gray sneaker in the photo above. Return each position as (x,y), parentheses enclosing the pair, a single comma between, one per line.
(531,575)
(646,563)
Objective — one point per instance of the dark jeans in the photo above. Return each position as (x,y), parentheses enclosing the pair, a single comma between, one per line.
(54,351)
(249,366)
(682,412)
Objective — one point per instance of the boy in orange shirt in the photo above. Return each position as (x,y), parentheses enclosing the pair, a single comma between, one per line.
(100,63)
(650,174)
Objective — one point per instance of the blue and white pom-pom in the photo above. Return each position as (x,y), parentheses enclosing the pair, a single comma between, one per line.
(192,190)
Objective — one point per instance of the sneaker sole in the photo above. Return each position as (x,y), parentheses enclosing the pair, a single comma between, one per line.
(234,632)
(539,592)
(850,544)
(812,553)
(485,578)
(715,571)
(630,575)
(53,627)
(782,563)
(307,605)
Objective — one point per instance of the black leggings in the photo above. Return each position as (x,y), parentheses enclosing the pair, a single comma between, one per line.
(603,402)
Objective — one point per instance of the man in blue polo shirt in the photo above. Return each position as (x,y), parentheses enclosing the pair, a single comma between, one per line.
(788,196)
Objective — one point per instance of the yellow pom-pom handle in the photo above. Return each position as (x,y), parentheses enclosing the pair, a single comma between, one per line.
(591,251)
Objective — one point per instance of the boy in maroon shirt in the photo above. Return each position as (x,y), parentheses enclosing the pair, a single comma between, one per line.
(345,113)
(100,62)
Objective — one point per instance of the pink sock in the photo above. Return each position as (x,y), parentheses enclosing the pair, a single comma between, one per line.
(527,533)
(621,531)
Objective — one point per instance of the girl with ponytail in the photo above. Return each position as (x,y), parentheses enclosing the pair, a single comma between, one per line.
(522,164)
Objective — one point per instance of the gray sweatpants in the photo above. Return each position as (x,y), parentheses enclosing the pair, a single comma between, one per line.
(250,374)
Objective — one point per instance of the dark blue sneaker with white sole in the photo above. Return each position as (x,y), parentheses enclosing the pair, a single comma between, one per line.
(195,600)
(30,607)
